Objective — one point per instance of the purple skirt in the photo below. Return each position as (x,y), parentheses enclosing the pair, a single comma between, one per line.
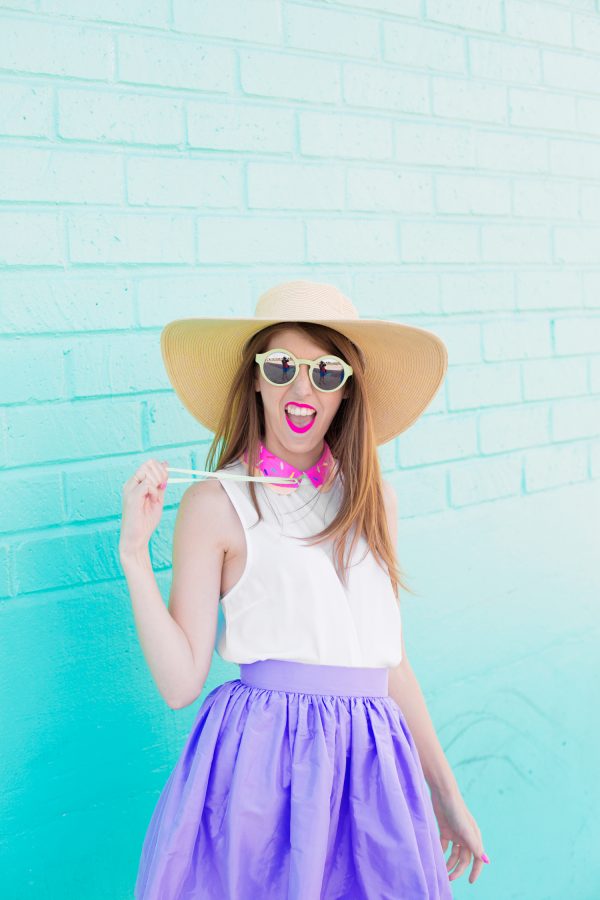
(296,782)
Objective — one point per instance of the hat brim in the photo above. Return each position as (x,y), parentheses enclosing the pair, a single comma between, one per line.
(405,365)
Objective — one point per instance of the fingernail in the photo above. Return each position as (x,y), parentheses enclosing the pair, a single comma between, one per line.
(163,485)
(485,857)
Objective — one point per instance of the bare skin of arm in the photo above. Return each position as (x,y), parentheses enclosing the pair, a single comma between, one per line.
(455,822)
(178,641)
(404,688)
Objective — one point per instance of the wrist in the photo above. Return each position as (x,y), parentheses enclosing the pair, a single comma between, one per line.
(132,557)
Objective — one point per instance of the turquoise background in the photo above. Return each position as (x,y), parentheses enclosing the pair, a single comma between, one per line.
(438,161)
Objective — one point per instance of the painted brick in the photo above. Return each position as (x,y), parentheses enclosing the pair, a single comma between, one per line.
(576,158)
(389,189)
(331,31)
(548,467)
(570,71)
(586,33)
(471,387)
(548,288)
(501,61)
(479,15)
(175,62)
(31,239)
(28,358)
(572,419)
(511,428)
(376,87)
(591,288)
(55,176)
(258,22)
(590,202)
(130,118)
(169,424)
(294,77)
(104,367)
(577,245)
(130,238)
(480,480)
(6,589)
(439,242)
(588,115)
(437,145)
(438,439)
(472,291)
(545,198)
(345,136)
(52,48)
(36,499)
(71,431)
(461,98)
(187,295)
(181,182)
(539,22)
(547,378)
(398,292)
(239,127)
(351,240)
(132,12)
(423,47)
(420,491)
(574,335)
(521,338)
(25,110)
(65,302)
(251,240)
(295,186)
(473,194)
(594,365)
(510,152)
(50,562)
(541,108)
(515,243)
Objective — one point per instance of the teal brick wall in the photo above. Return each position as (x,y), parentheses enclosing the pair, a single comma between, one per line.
(439,161)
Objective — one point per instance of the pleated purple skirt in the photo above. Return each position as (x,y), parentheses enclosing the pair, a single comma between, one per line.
(296,782)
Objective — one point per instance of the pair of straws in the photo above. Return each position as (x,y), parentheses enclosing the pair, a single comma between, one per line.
(270,479)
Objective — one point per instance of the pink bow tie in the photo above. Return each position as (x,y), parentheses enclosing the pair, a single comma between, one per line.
(320,474)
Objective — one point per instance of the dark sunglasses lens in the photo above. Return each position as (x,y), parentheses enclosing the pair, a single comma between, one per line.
(329,374)
(279,368)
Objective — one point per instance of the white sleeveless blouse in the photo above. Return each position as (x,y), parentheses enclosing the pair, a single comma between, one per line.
(289,602)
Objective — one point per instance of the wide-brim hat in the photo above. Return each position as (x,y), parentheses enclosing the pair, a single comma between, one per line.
(404,365)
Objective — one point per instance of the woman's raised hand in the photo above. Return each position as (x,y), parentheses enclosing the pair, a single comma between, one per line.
(143,501)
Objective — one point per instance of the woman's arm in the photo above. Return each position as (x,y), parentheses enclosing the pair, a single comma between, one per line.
(177,641)
(405,690)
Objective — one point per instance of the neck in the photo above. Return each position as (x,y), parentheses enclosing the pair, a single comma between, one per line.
(299,459)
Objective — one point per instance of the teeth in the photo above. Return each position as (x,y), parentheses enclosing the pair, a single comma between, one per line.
(298,410)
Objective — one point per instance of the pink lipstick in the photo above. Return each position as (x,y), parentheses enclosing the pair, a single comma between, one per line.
(301,429)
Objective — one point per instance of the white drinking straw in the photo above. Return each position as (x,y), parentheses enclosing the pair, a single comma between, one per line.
(277,479)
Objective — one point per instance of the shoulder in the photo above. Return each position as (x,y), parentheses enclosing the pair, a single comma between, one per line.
(205,509)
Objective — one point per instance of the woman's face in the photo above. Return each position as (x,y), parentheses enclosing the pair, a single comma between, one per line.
(280,435)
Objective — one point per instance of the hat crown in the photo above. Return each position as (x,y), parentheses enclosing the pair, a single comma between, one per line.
(297,300)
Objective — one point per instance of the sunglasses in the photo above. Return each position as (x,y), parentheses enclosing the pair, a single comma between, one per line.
(280,367)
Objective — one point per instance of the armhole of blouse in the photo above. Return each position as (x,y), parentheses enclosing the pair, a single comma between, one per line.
(247,515)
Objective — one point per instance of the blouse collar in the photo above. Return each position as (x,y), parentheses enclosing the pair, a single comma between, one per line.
(320,474)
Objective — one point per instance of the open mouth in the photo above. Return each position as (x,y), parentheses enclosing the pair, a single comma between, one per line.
(300,421)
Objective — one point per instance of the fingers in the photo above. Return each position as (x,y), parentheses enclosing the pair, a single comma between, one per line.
(464,858)
(150,479)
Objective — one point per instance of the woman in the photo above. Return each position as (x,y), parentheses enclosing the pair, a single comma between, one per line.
(300,779)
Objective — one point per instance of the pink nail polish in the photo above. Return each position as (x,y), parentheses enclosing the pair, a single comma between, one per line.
(485,857)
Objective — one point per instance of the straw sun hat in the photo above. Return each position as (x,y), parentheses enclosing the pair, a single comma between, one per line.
(405,365)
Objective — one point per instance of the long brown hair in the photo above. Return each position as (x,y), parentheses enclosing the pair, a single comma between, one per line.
(350,436)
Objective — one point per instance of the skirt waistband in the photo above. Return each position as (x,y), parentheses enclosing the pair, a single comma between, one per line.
(310,678)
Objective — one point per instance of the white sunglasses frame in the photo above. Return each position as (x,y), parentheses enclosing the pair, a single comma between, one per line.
(311,363)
